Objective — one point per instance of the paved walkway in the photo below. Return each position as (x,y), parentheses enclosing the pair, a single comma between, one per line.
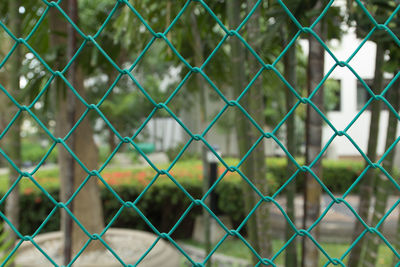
(218,259)
(338,223)
(49,166)
(3,171)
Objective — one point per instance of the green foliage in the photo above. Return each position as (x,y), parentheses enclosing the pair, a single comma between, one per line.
(338,175)
(34,152)
(332,95)
(6,244)
(230,201)
(163,204)
(235,248)
(104,153)
(173,152)
(380,10)
(35,207)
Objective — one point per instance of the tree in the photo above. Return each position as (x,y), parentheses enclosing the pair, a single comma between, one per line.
(238,83)
(393,66)
(379,10)
(86,205)
(125,107)
(383,185)
(312,191)
(366,189)
(287,30)
(12,207)
(198,48)
(294,69)
(290,76)
(254,166)
(290,62)
(89,64)
(200,36)
(255,109)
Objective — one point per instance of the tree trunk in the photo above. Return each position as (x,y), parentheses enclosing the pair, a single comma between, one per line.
(87,204)
(366,188)
(5,46)
(71,114)
(111,140)
(112,76)
(58,40)
(312,193)
(12,206)
(243,135)
(228,142)
(383,185)
(290,63)
(256,109)
(396,243)
(111,136)
(203,101)
(89,210)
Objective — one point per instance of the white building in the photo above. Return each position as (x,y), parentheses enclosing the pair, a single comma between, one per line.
(353,96)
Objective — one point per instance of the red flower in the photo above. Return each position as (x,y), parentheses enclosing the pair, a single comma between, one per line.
(28,191)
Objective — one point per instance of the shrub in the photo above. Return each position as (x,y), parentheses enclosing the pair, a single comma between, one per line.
(34,152)
(173,152)
(338,175)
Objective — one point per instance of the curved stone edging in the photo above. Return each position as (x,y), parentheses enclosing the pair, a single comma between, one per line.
(128,244)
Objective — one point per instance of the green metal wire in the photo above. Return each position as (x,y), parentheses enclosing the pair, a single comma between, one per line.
(229,33)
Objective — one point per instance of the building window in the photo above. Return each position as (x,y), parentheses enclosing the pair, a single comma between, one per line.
(363,96)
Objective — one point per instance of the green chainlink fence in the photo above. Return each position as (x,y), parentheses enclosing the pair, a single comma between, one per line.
(200,138)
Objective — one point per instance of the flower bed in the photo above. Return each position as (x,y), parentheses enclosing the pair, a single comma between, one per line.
(164,201)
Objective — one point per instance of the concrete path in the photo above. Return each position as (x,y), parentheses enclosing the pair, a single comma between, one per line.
(338,223)
(4,171)
(218,259)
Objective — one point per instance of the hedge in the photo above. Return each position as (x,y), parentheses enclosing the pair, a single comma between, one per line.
(338,175)
(164,202)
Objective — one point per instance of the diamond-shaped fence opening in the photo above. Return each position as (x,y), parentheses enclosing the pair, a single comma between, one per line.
(141,62)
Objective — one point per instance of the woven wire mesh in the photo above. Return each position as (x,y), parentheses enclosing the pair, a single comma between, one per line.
(199,70)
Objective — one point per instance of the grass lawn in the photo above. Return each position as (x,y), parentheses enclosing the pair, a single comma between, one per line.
(236,248)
